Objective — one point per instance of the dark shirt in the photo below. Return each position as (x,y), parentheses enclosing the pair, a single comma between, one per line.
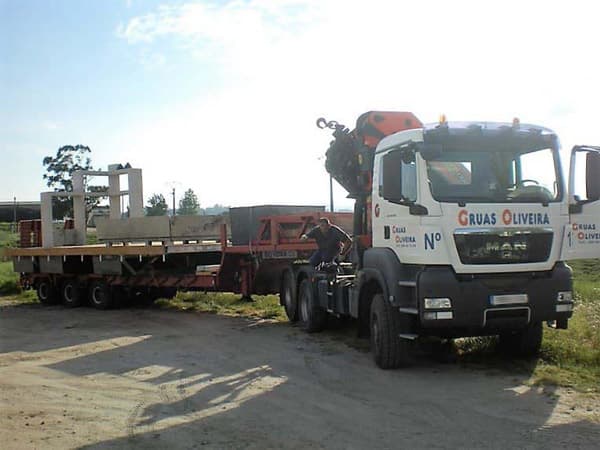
(329,243)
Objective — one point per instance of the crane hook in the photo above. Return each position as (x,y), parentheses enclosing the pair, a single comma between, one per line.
(322,124)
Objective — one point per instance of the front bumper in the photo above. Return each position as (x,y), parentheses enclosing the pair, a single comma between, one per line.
(488,304)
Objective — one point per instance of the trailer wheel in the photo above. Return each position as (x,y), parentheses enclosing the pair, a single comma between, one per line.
(287,296)
(70,293)
(390,351)
(100,295)
(312,317)
(46,292)
(524,343)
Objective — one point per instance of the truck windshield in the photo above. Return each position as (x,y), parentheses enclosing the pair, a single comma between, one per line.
(494,175)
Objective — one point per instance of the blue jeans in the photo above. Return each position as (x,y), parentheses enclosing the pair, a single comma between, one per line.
(319,256)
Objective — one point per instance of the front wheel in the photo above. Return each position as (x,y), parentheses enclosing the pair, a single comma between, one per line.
(525,343)
(312,317)
(287,296)
(390,351)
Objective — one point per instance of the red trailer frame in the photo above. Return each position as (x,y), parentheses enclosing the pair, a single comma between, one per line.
(255,267)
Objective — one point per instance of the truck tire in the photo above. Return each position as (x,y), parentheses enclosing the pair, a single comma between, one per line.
(390,351)
(525,343)
(46,292)
(70,293)
(288,296)
(312,317)
(100,295)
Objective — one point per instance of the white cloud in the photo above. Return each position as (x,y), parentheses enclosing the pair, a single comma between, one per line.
(285,63)
(50,126)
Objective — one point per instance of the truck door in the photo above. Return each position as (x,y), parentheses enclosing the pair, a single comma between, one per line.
(582,234)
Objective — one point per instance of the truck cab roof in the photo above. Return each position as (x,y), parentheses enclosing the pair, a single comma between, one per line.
(449,133)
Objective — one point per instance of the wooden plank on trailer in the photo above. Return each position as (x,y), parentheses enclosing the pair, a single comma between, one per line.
(193,248)
(90,250)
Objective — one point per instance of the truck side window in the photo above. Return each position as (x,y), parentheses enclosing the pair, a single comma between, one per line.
(409,181)
(380,177)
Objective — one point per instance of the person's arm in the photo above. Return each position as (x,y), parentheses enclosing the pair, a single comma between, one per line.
(310,234)
(346,241)
(347,246)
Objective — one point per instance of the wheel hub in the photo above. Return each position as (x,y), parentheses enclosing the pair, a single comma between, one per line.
(97,295)
(68,292)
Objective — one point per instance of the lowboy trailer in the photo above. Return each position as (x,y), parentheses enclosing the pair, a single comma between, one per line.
(107,274)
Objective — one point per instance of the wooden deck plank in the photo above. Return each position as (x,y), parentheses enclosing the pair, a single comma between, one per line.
(132,249)
(89,250)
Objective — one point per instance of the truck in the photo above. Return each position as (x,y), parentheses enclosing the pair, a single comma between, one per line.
(458,229)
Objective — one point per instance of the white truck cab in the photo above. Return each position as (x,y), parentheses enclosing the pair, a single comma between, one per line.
(483,214)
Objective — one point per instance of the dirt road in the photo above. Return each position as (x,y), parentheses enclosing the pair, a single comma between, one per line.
(148,378)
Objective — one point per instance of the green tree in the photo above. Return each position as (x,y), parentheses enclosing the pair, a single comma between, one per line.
(157,206)
(59,176)
(189,205)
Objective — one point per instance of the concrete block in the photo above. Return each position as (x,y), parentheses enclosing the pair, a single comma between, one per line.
(67,237)
(245,221)
(197,227)
(133,229)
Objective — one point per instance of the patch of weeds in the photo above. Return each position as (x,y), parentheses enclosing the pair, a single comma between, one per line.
(262,306)
(9,280)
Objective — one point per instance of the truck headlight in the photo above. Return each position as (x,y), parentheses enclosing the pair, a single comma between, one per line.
(438,303)
(564,296)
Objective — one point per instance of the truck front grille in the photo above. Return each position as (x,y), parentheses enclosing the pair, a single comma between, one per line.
(503,246)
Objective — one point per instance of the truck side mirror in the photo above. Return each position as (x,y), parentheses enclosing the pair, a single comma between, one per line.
(392,176)
(592,176)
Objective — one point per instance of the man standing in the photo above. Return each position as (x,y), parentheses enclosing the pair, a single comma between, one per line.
(332,241)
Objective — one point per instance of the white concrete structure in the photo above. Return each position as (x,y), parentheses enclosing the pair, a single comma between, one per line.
(114,172)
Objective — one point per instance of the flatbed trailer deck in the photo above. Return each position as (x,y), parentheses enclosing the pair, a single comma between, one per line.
(161,268)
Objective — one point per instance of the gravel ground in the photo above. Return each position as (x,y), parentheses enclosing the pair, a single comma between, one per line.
(150,378)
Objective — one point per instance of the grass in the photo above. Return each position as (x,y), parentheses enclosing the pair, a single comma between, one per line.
(568,358)
(572,357)
(9,281)
(7,237)
(263,306)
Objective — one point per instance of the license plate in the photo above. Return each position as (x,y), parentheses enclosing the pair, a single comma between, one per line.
(508,299)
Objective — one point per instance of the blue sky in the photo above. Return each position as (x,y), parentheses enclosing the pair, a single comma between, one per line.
(222,97)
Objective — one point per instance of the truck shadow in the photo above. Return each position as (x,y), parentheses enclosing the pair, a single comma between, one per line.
(199,380)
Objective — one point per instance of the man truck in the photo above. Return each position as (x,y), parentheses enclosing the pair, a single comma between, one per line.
(460,229)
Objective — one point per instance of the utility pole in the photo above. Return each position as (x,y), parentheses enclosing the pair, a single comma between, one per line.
(330,193)
(174,213)
(15,214)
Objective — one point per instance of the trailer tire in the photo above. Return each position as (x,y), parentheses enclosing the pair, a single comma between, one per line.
(100,295)
(46,292)
(288,295)
(312,318)
(70,293)
(390,351)
(525,343)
